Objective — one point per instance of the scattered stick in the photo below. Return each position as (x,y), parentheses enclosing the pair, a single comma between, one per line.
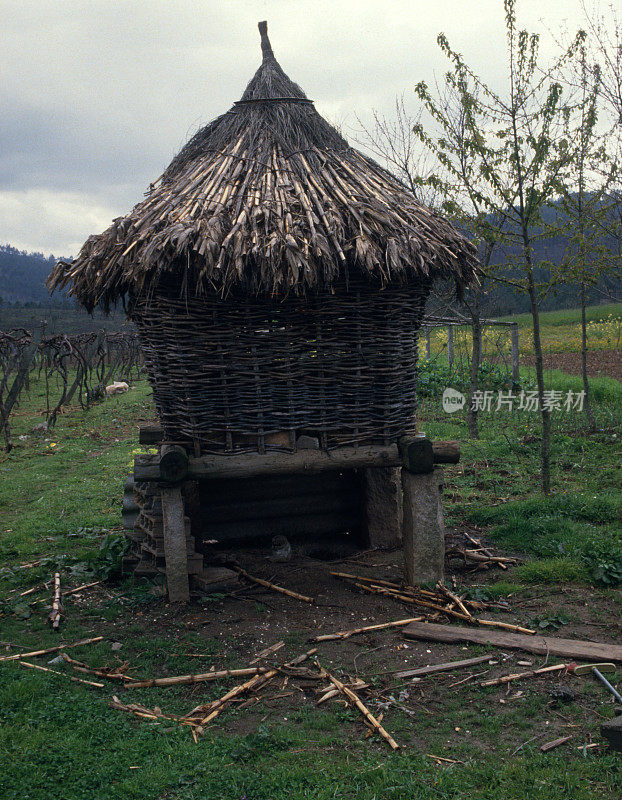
(113,673)
(141,711)
(361,707)
(81,588)
(214,708)
(492,623)
(555,743)
(199,678)
(454,598)
(273,586)
(32,653)
(520,675)
(450,665)
(220,704)
(440,760)
(327,637)
(63,674)
(57,608)
(268,651)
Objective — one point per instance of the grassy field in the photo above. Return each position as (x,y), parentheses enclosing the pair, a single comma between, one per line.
(60,509)
(560,332)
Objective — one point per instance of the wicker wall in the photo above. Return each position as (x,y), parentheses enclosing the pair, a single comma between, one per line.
(254,374)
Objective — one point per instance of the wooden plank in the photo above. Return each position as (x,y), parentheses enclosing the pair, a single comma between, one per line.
(541,645)
(175,545)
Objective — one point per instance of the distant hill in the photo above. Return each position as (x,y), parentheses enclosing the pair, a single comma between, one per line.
(23,275)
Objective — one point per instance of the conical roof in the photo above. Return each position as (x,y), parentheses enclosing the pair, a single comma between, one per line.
(268,199)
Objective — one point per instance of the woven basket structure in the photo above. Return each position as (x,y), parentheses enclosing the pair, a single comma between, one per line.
(277,277)
(257,373)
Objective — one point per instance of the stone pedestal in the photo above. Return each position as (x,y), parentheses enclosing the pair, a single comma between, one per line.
(423,527)
(383,507)
(174,529)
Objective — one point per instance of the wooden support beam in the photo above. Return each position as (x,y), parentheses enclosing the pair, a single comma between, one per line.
(173,463)
(416,453)
(150,434)
(175,545)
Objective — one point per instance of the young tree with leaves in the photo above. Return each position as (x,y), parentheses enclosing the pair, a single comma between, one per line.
(519,153)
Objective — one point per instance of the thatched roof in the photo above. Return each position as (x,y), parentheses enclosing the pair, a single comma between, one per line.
(268,198)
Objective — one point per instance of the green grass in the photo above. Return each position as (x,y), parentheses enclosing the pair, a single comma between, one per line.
(59,497)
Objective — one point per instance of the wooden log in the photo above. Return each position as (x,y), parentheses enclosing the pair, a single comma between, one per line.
(418,454)
(150,434)
(173,463)
(446,452)
(541,645)
(175,545)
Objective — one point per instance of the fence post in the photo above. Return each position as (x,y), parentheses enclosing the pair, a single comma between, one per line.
(515,364)
(450,346)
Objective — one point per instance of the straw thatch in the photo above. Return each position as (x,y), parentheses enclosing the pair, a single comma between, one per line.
(268,199)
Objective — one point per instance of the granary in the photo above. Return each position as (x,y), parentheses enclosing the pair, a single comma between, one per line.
(277,278)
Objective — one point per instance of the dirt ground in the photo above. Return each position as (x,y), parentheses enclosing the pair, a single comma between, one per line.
(600,363)
(248,619)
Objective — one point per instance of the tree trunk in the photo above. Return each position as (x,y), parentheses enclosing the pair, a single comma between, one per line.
(537,346)
(586,386)
(475,362)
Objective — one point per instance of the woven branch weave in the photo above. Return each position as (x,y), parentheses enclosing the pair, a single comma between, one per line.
(251,374)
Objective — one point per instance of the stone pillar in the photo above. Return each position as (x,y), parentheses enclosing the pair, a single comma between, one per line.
(423,527)
(174,530)
(383,506)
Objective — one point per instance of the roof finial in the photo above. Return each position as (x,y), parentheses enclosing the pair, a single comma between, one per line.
(266,48)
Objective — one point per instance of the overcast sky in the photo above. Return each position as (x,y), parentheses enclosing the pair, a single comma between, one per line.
(97,96)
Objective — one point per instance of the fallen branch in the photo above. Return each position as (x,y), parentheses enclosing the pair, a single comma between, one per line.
(215,707)
(555,743)
(199,678)
(361,707)
(32,653)
(81,588)
(268,651)
(63,674)
(113,674)
(57,608)
(273,586)
(142,711)
(519,675)
(327,637)
(450,665)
